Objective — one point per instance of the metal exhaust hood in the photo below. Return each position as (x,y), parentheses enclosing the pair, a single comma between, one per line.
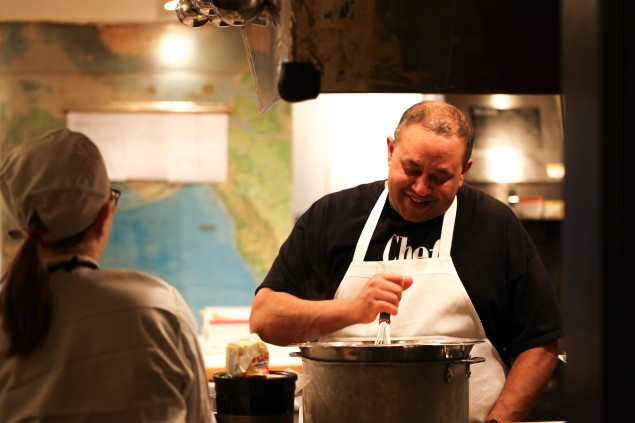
(300,48)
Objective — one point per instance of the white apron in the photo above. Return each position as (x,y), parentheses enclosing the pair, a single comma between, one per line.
(435,305)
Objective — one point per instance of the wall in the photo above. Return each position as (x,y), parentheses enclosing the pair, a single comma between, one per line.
(44,68)
(346,144)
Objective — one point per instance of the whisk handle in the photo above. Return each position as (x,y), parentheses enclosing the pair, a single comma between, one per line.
(384,317)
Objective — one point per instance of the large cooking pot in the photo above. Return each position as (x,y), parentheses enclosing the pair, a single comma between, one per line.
(410,380)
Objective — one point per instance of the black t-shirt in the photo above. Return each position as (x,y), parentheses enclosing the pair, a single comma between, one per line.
(494,257)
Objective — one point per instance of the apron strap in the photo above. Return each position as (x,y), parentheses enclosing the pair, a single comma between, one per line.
(369,227)
(447,230)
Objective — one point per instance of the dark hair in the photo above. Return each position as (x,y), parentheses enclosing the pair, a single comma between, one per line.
(442,119)
(25,298)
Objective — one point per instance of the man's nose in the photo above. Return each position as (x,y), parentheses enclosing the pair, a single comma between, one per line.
(421,186)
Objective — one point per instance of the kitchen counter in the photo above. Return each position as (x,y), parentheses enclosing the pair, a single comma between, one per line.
(298,419)
(279,359)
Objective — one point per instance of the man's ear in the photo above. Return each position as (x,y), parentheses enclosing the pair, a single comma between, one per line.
(390,141)
(102,217)
(467,166)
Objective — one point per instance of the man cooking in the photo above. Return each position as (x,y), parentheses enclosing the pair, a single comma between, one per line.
(440,256)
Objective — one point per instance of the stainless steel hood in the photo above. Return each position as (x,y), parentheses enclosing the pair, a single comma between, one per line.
(298,49)
(425,46)
(517,138)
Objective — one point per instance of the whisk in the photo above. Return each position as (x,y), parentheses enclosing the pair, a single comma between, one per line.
(383,334)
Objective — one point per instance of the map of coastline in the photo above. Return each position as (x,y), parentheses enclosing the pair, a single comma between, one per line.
(183,235)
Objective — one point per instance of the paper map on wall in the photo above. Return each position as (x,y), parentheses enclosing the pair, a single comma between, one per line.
(158,146)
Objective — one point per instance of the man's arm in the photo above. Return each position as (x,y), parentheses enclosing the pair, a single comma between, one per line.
(280,318)
(525,383)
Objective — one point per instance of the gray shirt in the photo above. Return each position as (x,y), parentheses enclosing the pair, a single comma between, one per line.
(122,347)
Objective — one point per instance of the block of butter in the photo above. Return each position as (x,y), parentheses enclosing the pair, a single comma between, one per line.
(247,357)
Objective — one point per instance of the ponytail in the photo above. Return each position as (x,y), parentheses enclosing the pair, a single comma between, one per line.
(25,297)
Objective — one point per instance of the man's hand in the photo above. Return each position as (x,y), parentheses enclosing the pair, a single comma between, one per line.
(282,319)
(381,294)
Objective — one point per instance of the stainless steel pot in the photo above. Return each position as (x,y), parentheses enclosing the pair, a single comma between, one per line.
(415,380)
(413,349)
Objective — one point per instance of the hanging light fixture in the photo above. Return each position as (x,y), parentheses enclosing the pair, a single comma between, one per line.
(188,15)
(223,13)
(259,22)
(238,12)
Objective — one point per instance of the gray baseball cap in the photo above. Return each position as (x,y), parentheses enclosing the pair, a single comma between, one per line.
(62,176)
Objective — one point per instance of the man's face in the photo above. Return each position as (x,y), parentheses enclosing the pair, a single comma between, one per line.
(425,172)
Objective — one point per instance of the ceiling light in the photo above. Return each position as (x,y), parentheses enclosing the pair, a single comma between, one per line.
(501,101)
(174,49)
(170,5)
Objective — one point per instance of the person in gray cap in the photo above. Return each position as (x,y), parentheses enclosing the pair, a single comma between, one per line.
(77,342)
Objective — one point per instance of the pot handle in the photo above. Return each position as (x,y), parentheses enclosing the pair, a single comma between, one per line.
(469,360)
(449,375)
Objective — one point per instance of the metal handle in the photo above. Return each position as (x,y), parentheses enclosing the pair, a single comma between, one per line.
(469,360)
(449,375)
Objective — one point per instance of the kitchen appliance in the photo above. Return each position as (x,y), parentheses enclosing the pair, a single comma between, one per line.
(409,380)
